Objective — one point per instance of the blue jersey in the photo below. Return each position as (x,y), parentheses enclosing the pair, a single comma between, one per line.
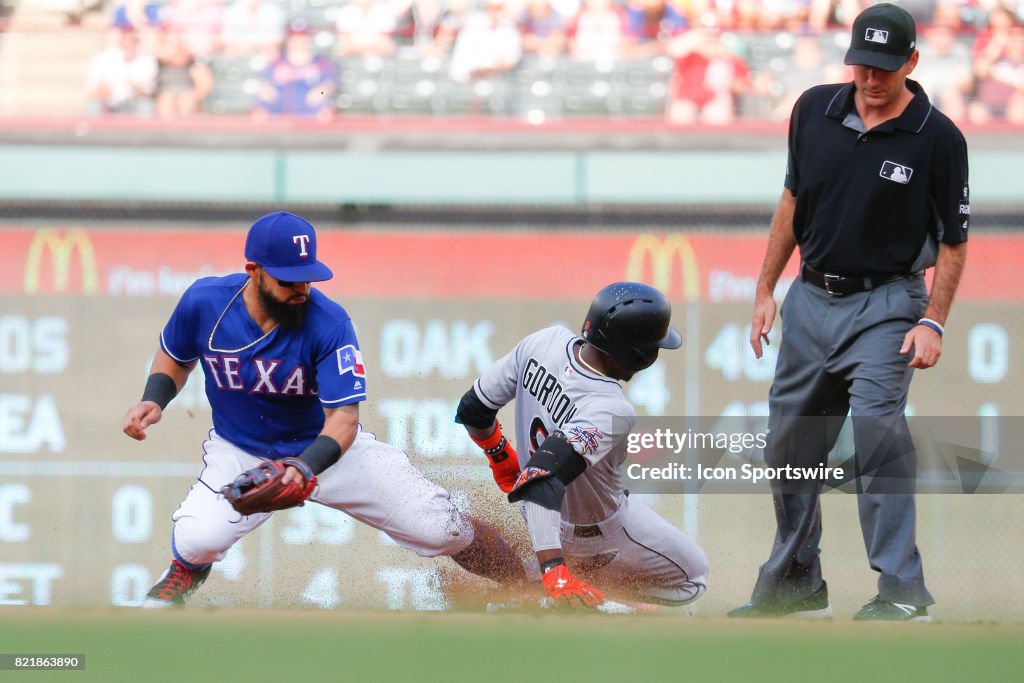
(268,390)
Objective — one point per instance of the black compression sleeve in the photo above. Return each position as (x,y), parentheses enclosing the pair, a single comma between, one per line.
(160,389)
(473,413)
(547,492)
(321,454)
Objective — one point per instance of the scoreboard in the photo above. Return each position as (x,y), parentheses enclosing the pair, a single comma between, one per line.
(85,511)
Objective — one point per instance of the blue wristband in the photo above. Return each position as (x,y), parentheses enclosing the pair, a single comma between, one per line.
(931,324)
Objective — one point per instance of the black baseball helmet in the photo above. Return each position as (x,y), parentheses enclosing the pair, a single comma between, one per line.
(629,321)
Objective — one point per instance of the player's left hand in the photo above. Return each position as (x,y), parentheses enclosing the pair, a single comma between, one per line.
(272,485)
(927,346)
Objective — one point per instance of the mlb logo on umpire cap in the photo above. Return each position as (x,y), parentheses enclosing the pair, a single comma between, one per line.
(285,246)
(876,35)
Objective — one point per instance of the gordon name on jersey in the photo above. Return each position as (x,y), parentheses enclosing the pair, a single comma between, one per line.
(553,391)
(549,392)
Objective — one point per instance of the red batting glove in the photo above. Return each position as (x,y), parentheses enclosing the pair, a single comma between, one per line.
(566,589)
(502,458)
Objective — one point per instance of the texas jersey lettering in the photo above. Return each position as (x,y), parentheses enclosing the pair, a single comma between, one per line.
(268,390)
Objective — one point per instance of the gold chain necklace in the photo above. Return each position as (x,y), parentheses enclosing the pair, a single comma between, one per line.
(251,344)
(588,366)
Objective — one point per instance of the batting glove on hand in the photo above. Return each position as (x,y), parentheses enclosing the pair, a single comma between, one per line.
(567,590)
(502,458)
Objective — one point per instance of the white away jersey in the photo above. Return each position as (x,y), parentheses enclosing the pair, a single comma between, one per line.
(552,392)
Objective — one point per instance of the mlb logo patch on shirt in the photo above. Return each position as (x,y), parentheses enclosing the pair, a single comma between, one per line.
(898,173)
(876,35)
(350,359)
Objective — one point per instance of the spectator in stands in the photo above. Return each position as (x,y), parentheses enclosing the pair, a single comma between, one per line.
(177,95)
(650,26)
(825,13)
(121,78)
(299,82)
(142,16)
(253,27)
(944,70)
(365,27)
(707,80)
(600,32)
(923,11)
(782,15)
(543,29)
(487,44)
(425,28)
(74,10)
(988,44)
(724,14)
(136,15)
(1000,86)
(806,68)
(198,24)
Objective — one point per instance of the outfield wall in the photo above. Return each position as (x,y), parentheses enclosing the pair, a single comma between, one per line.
(84,511)
(428,176)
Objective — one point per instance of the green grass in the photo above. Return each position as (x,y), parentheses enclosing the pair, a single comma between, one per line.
(286,646)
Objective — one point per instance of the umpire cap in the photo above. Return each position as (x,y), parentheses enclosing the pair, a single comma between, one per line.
(884,36)
(285,246)
(629,321)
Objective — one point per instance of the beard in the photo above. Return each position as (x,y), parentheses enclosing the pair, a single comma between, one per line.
(288,316)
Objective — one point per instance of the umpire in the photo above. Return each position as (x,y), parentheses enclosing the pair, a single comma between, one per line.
(875,193)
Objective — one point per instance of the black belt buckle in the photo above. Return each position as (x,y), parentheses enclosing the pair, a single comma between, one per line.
(832,279)
(587,531)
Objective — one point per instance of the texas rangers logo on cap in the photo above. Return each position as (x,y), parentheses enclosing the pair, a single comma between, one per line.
(302,241)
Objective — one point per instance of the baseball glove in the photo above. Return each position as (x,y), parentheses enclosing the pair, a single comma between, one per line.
(261,490)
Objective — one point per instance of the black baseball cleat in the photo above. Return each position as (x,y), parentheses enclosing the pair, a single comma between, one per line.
(175,587)
(885,610)
(814,606)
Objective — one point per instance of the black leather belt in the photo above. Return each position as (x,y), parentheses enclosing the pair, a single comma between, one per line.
(586,531)
(841,285)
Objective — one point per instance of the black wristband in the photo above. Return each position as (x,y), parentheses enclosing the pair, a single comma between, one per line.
(321,454)
(160,389)
(551,564)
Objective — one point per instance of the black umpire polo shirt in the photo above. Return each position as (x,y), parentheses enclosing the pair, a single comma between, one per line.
(867,201)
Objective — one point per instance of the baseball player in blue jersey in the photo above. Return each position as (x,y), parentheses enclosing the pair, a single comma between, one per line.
(285,376)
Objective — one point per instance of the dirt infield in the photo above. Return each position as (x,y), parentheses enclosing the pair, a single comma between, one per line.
(278,646)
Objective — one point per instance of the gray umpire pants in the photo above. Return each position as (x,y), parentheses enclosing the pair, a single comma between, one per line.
(840,355)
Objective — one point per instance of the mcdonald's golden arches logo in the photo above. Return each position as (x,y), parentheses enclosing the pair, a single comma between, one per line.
(663,253)
(61,249)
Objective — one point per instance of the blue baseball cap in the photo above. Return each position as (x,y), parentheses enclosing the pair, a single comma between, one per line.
(285,246)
